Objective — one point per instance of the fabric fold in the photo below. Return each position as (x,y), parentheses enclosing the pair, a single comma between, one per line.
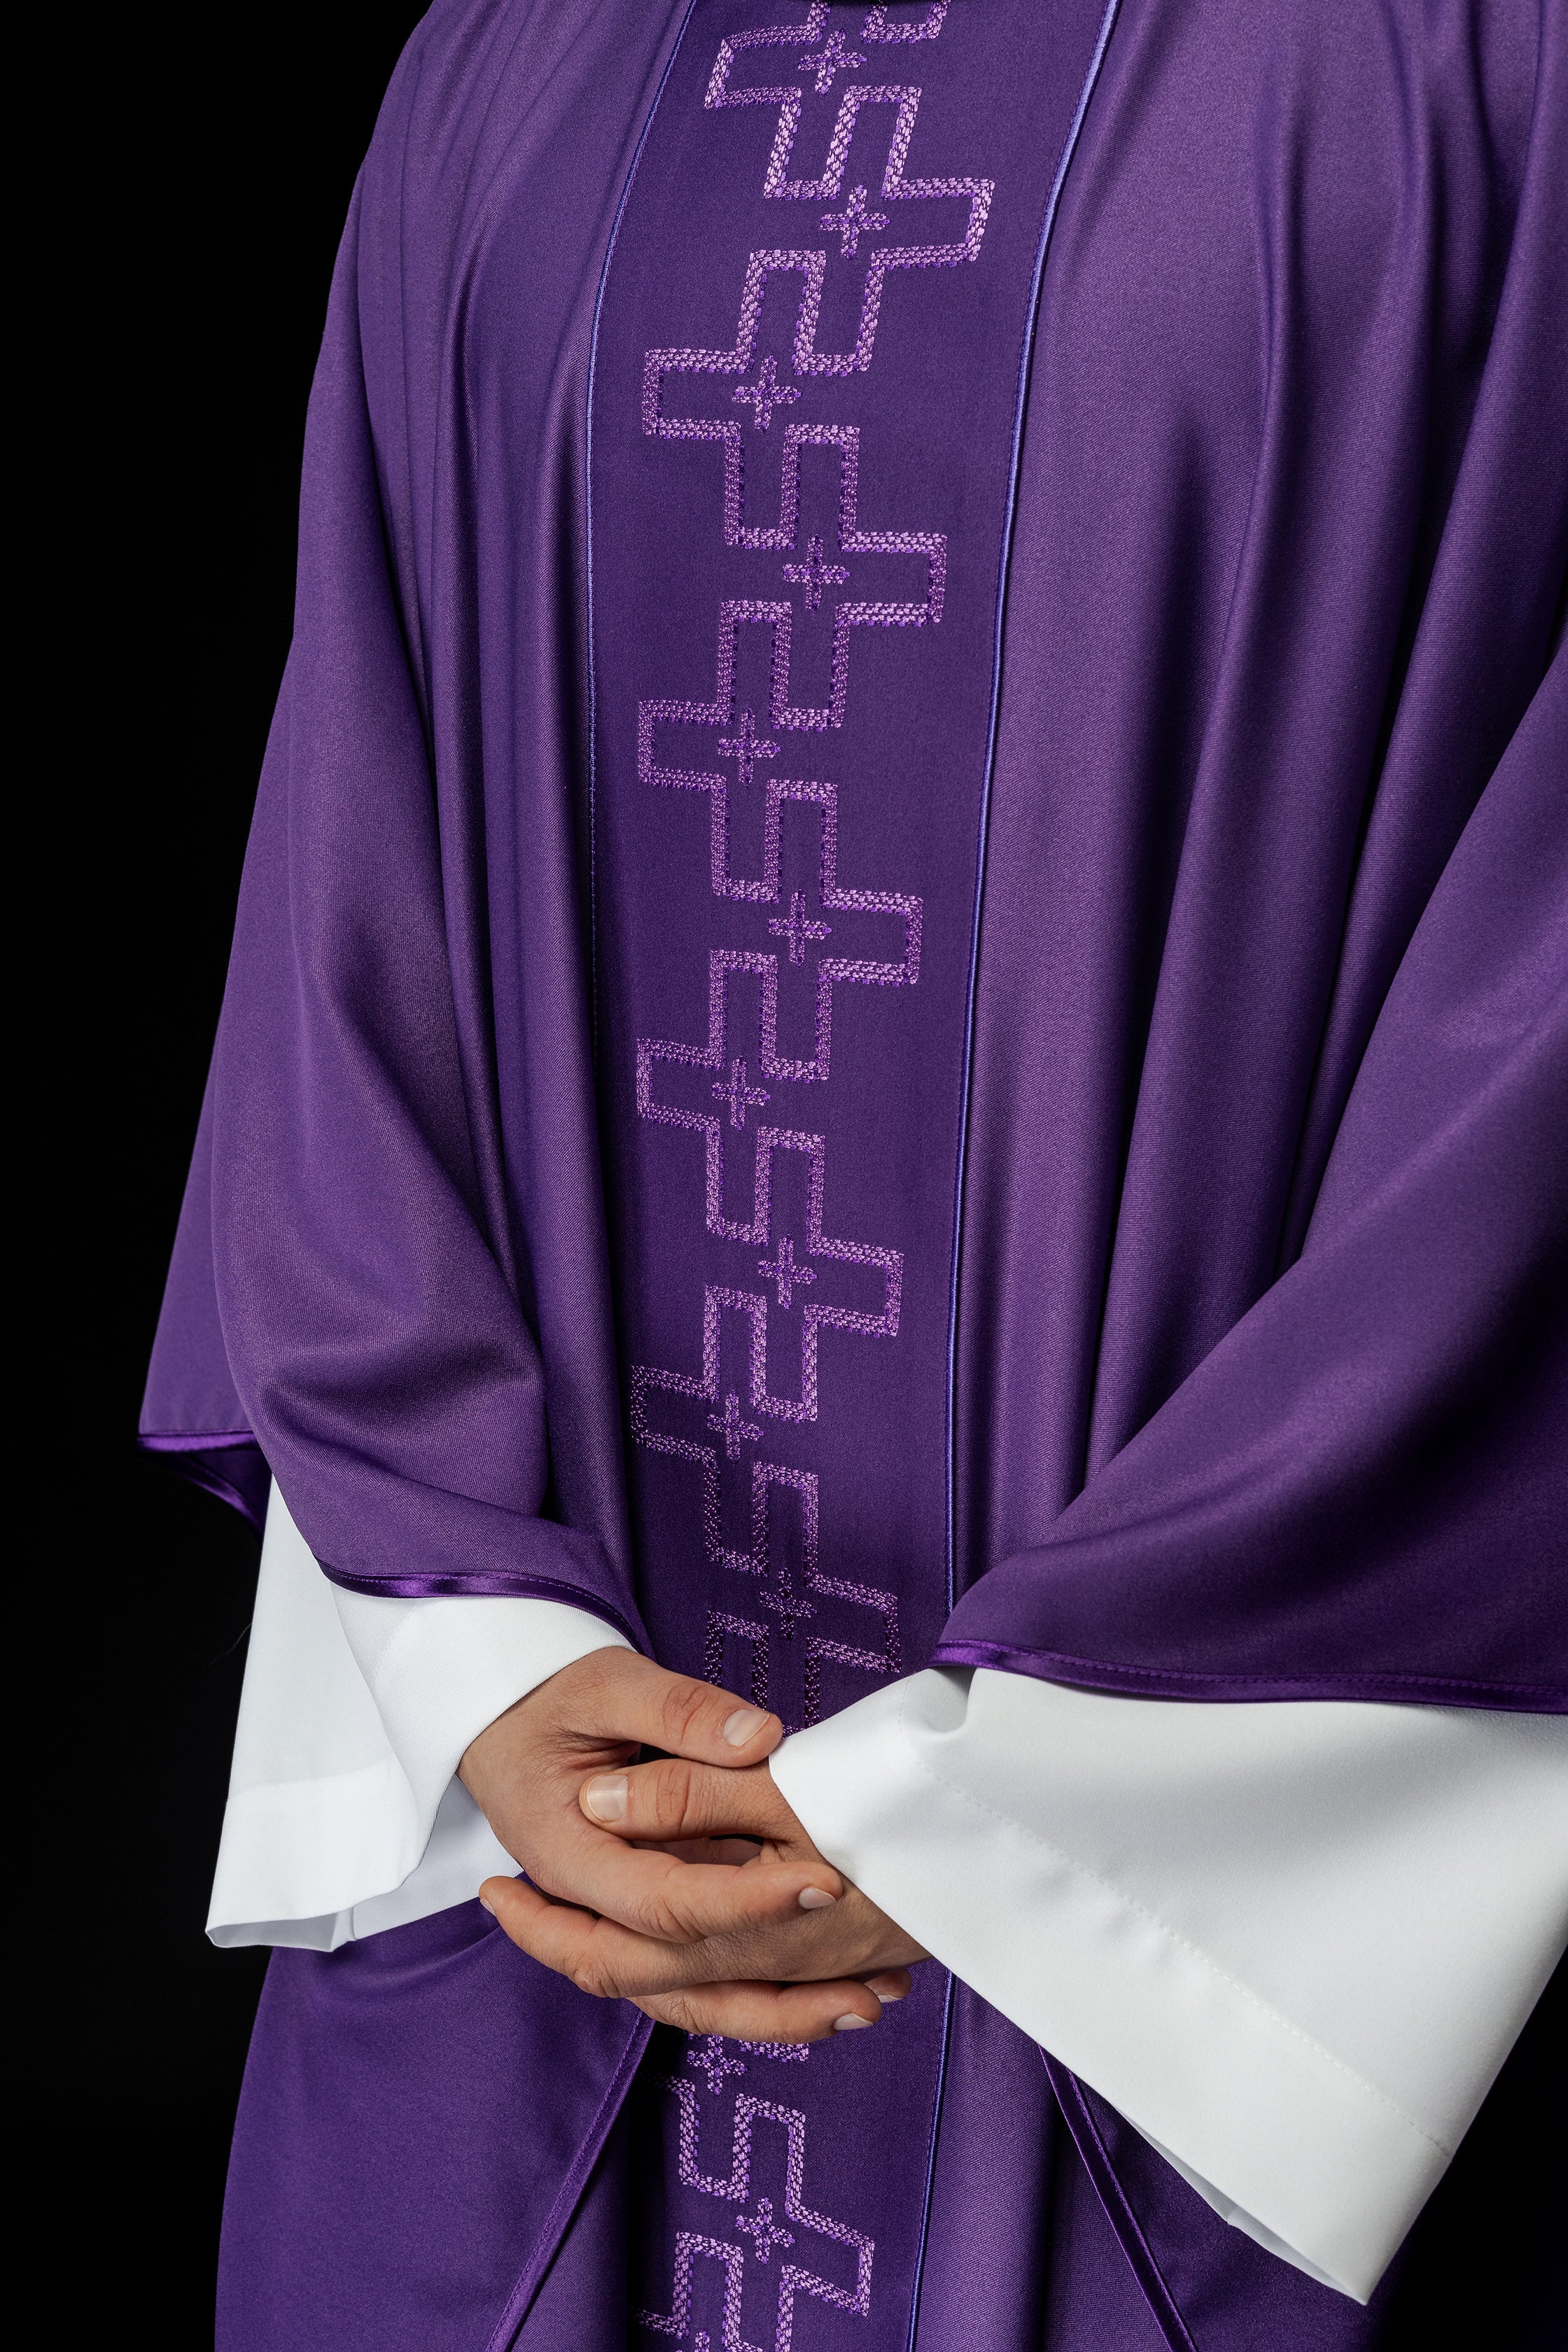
(344,1815)
(1291,1944)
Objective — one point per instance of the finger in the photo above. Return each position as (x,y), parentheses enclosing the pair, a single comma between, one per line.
(657,1893)
(599,1955)
(633,1699)
(766,2012)
(675,1799)
(736,1851)
(565,1937)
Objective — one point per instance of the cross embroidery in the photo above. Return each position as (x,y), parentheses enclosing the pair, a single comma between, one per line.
(731,1429)
(814,575)
(783,1271)
(709,2059)
(782,1601)
(832,59)
(797,931)
(740,1096)
(855,221)
(766,394)
(762,2227)
(747,748)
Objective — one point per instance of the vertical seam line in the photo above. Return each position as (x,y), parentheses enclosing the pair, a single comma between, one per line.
(643,135)
(1026,363)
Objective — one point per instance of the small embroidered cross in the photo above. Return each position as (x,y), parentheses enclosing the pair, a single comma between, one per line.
(814,575)
(746,748)
(855,221)
(710,2060)
(740,1096)
(766,394)
(834,57)
(782,1270)
(780,1601)
(762,2227)
(797,931)
(731,1429)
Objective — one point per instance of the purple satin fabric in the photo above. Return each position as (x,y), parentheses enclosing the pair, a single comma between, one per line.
(421,2115)
(1259,1385)
(1260,1345)
(1257,1377)
(433,2137)
(801,469)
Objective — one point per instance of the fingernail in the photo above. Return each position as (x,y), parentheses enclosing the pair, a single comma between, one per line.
(850,2024)
(605,1798)
(816,1898)
(743,1724)
(486,1905)
(875,1984)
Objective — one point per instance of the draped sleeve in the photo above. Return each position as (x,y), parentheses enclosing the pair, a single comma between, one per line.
(1361,1491)
(1263,1363)
(348,1300)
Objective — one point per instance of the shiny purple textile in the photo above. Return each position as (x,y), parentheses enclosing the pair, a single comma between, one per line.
(1263,1209)
(1264,1241)
(421,2109)
(1259,1376)
(803,417)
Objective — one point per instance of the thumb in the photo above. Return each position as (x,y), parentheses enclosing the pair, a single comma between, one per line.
(633,1699)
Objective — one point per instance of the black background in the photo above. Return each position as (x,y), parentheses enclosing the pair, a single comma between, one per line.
(181,212)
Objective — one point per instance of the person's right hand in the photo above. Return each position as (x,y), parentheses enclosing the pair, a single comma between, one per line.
(526,1770)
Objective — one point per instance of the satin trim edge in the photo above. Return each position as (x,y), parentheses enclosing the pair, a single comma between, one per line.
(1199,1685)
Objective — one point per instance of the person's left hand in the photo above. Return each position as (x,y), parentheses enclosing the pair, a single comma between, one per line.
(784,1982)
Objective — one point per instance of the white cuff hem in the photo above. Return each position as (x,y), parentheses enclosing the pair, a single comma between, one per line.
(1218,1915)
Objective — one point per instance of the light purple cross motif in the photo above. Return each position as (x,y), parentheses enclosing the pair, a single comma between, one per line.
(832,58)
(740,1096)
(798,930)
(782,1601)
(783,1271)
(855,221)
(709,2059)
(747,748)
(731,1429)
(762,2227)
(814,575)
(766,394)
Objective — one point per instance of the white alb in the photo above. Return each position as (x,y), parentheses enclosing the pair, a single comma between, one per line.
(1291,1943)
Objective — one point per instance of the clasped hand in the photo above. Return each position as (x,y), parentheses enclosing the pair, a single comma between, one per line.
(686,1885)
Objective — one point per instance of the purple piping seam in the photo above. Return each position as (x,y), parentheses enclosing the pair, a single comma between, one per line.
(209,1441)
(560,2215)
(484,1588)
(938,2097)
(1175,1681)
(212,1482)
(381,1588)
(998,628)
(611,242)
(1117,2211)
(202,1473)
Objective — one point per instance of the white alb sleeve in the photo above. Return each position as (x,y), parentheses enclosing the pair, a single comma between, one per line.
(1291,1943)
(344,1812)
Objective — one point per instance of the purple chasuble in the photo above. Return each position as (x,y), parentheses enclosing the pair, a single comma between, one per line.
(898,994)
